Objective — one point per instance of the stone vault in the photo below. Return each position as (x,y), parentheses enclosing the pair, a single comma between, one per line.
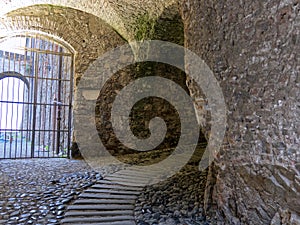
(252,48)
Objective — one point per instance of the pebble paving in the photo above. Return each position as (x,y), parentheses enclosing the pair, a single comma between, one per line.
(175,201)
(62,191)
(38,191)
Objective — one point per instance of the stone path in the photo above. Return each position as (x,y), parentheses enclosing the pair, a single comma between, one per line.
(119,199)
(110,201)
(61,191)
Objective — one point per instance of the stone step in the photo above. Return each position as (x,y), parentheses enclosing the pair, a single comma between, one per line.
(133,176)
(105,196)
(110,201)
(99,220)
(130,173)
(105,182)
(112,191)
(138,173)
(117,178)
(109,223)
(128,177)
(143,170)
(116,186)
(98,213)
(101,207)
(104,201)
(127,182)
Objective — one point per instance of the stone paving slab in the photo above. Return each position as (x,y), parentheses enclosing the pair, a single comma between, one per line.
(110,219)
(109,223)
(104,201)
(106,196)
(131,174)
(98,213)
(132,182)
(116,186)
(111,191)
(100,207)
(129,183)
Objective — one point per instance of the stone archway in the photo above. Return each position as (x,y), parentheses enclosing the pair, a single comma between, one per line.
(87,35)
(100,9)
(122,16)
(234,38)
(90,36)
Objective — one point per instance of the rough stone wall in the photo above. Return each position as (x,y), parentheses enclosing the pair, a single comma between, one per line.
(253,49)
(168,27)
(142,111)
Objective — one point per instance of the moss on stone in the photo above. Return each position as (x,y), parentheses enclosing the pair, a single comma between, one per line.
(145,27)
(150,28)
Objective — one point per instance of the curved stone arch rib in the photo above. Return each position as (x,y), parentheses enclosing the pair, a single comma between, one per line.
(88,36)
(99,8)
(12,74)
(34,33)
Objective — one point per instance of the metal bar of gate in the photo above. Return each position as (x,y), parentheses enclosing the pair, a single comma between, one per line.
(28,131)
(36,69)
(28,103)
(40,130)
(60,64)
(45,51)
(70,105)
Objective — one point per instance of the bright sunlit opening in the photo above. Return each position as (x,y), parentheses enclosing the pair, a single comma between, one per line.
(14,45)
(12,91)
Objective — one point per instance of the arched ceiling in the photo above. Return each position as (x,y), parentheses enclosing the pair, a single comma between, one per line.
(88,35)
(122,15)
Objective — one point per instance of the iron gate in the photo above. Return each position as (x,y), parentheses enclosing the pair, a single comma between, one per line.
(36,85)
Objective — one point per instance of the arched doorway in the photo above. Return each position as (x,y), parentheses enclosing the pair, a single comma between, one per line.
(36,86)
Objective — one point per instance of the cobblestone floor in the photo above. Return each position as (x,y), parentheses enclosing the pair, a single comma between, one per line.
(177,200)
(37,191)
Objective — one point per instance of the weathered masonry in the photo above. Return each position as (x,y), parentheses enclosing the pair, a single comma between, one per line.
(253,49)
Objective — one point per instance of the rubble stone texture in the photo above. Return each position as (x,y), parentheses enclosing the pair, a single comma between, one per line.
(253,49)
